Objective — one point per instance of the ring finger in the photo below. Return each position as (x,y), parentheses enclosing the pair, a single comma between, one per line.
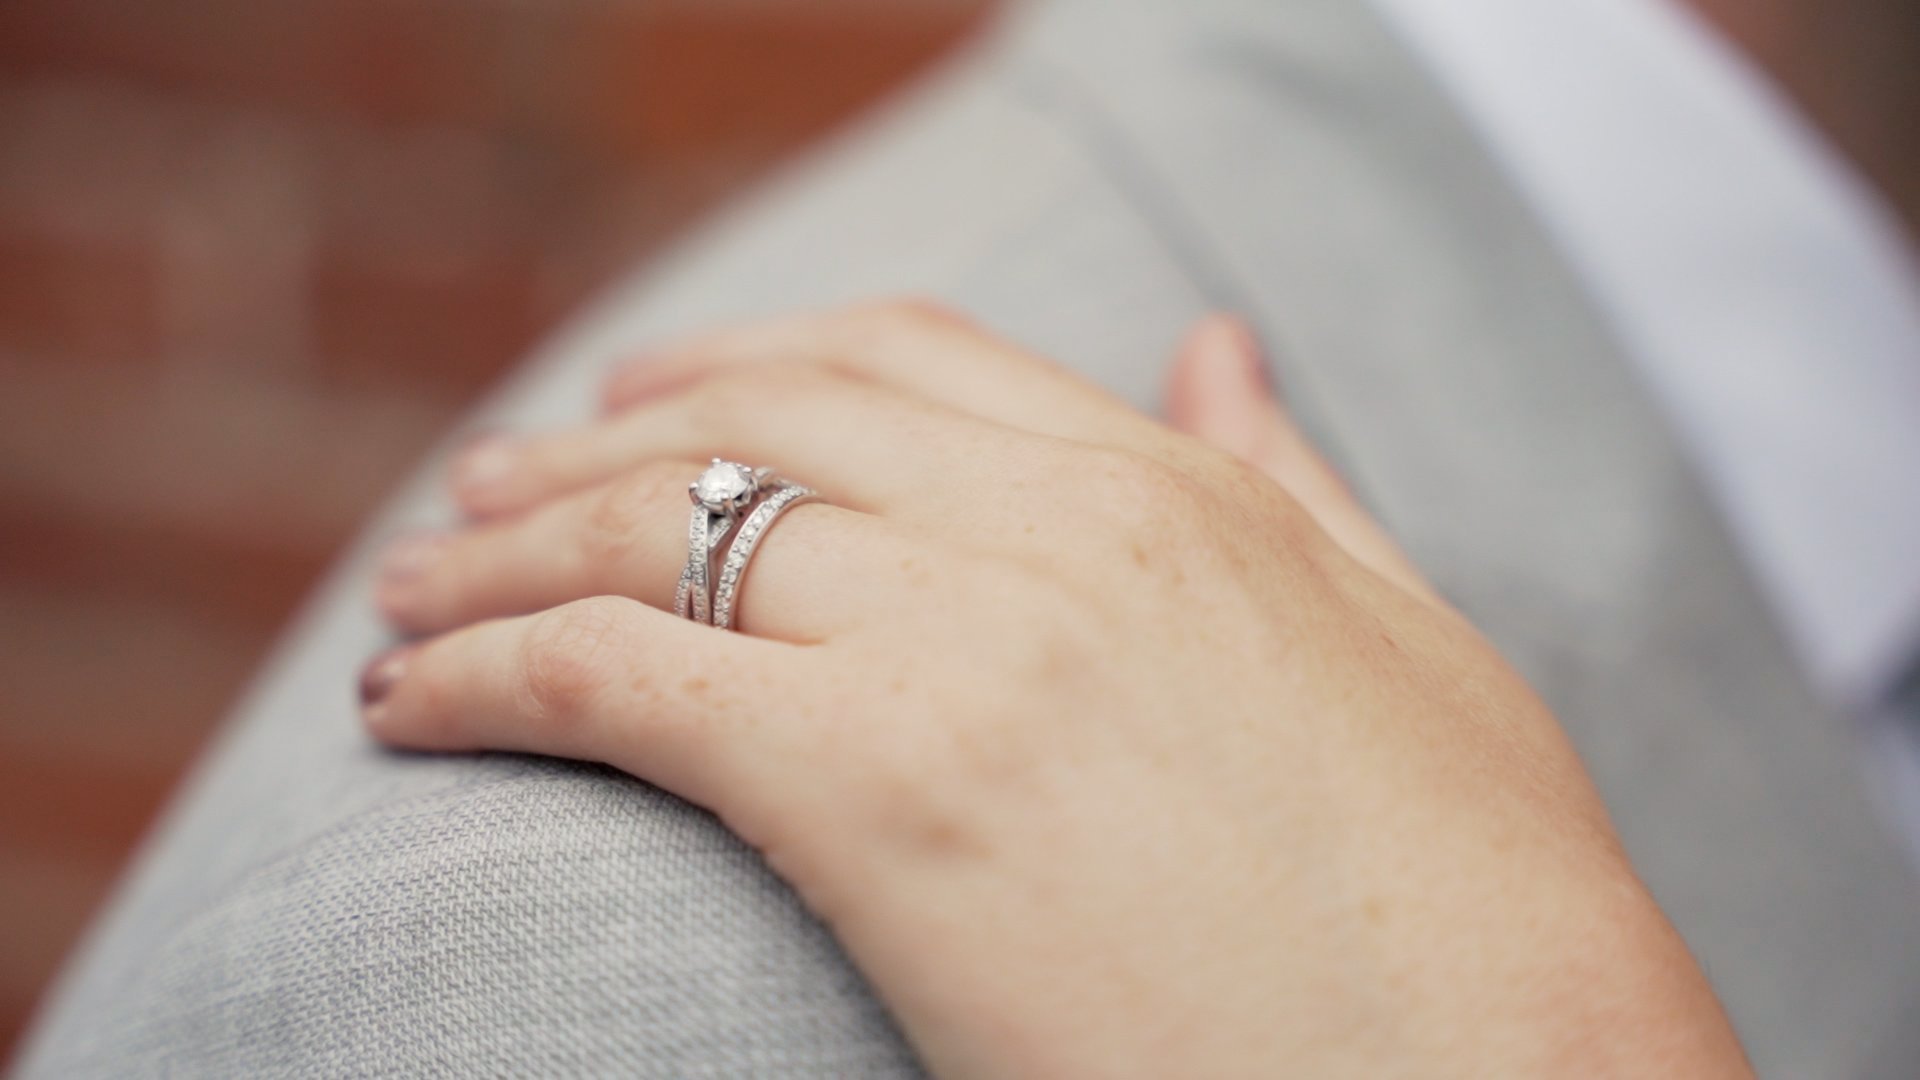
(812,573)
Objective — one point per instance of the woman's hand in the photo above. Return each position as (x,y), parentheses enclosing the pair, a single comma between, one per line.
(1103,752)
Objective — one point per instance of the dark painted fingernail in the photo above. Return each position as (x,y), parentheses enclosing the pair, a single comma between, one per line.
(410,556)
(382,674)
(484,462)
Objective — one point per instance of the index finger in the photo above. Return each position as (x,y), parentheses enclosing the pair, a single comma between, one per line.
(606,679)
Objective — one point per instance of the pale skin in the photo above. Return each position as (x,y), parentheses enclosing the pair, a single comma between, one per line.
(1105,747)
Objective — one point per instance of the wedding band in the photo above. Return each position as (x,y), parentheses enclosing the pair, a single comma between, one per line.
(747,540)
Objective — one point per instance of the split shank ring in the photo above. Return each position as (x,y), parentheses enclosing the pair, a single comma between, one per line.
(724,498)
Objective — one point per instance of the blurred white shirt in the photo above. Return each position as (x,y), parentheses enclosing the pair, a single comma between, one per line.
(1764,292)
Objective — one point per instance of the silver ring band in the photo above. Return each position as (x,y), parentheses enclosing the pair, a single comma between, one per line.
(720,496)
(746,540)
(694,595)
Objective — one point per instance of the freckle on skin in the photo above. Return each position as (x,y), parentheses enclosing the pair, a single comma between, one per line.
(916,575)
(1375,911)
(1139,556)
(943,838)
(695,686)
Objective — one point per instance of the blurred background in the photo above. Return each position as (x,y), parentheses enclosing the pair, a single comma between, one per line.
(254,256)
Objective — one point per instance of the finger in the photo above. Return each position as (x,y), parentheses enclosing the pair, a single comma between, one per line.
(917,347)
(866,446)
(602,679)
(1218,392)
(628,537)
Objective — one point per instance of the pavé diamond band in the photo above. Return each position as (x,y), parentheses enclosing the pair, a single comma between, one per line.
(747,540)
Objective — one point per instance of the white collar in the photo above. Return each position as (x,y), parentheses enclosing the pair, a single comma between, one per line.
(1759,286)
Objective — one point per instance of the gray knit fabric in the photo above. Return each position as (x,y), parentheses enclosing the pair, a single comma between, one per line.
(315,906)
(398,934)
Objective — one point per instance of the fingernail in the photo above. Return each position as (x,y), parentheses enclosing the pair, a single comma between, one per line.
(410,556)
(382,674)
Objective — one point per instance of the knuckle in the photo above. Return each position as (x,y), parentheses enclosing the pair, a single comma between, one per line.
(729,407)
(901,315)
(630,506)
(1142,492)
(569,653)
(417,571)
(752,392)
(913,309)
(719,404)
(436,713)
(727,392)
(1284,517)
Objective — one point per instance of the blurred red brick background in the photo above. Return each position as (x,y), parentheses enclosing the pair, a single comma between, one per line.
(254,256)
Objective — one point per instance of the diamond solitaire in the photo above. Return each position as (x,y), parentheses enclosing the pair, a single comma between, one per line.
(725,488)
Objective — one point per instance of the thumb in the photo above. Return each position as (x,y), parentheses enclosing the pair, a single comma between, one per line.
(1218,392)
